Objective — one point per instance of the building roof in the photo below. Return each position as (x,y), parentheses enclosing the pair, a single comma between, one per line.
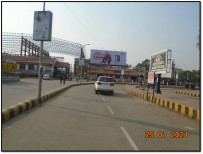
(116,69)
(30,60)
(62,65)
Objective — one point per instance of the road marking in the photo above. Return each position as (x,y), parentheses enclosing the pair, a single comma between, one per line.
(8,127)
(110,110)
(189,128)
(103,99)
(129,138)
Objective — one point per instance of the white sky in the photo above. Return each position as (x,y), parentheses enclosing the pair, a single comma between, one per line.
(139,28)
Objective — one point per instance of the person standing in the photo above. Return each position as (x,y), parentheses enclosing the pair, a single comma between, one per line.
(61,78)
(64,79)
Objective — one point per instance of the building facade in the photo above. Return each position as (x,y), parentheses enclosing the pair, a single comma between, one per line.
(29,65)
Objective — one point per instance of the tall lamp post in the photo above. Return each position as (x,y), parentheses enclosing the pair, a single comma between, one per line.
(82,58)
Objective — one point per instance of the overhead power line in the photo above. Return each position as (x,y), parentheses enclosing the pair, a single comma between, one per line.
(82,24)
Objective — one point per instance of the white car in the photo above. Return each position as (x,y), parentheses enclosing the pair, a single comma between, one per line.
(104,84)
(46,77)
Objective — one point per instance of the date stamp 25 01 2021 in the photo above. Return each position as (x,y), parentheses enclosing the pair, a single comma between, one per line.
(160,134)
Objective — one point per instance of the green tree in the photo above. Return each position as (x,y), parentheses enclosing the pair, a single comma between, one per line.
(128,66)
(145,63)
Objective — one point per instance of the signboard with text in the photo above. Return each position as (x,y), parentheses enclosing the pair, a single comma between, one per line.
(159,62)
(42,26)
(151,78)
(81,61)
(106,57)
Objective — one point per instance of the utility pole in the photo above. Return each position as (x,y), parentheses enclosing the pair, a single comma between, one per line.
(82,56)
(40,65)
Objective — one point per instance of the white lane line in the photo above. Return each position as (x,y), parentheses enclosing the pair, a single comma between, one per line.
(7,127)
(110,110)
(103,99)
(129,139)
(189,128)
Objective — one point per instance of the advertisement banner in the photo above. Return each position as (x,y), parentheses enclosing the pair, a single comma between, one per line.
(81,61)
(42,26)
(105,57)
(158,62)
(151,78)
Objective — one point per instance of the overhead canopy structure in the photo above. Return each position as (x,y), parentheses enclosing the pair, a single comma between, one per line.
(11,43)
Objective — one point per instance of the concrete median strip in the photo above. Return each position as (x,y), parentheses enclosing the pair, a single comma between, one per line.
(187,93)
(187,111)
(13,111)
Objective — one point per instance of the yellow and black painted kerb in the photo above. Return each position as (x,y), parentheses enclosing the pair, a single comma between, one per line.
(13,111)
(189,112)
(187,93)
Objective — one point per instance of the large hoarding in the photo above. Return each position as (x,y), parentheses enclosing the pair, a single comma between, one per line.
(159,62)
(106,57)
(42,26)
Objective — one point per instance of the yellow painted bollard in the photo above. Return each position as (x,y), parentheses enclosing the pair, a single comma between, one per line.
(6,115)
(183,109)
(36,101)
(198,115)
(190,94)
(161,102)
(190,114)
(171,105)
(145,96)
(150,98)
(176,107)
(16,110)
(154,100)
(165,103)
(194,94)
(197,95)
(157,101)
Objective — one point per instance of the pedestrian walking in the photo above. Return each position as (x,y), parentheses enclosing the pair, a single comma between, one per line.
(64,79)
(61,78)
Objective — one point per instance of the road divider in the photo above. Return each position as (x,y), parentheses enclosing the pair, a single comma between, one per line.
(187,93)
(187,111)
(15,110)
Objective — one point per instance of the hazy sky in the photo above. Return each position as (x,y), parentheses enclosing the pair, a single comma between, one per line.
(139,28)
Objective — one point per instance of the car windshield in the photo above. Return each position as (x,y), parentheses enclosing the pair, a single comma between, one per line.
(104,79)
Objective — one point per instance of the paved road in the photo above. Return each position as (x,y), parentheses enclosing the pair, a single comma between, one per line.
(78,119)
(16,92)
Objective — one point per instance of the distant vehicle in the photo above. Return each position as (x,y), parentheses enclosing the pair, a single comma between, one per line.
(190,86)
(104,84)
(46,77)
(20,74)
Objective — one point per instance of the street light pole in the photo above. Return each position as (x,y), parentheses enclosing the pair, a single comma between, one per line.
(81,65)
(40,64)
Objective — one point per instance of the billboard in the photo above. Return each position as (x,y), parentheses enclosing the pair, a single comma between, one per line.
(42,26)
(159,62)
(105,57)
(169,73)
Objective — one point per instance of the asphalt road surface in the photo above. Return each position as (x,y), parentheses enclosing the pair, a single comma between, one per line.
(80,120)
